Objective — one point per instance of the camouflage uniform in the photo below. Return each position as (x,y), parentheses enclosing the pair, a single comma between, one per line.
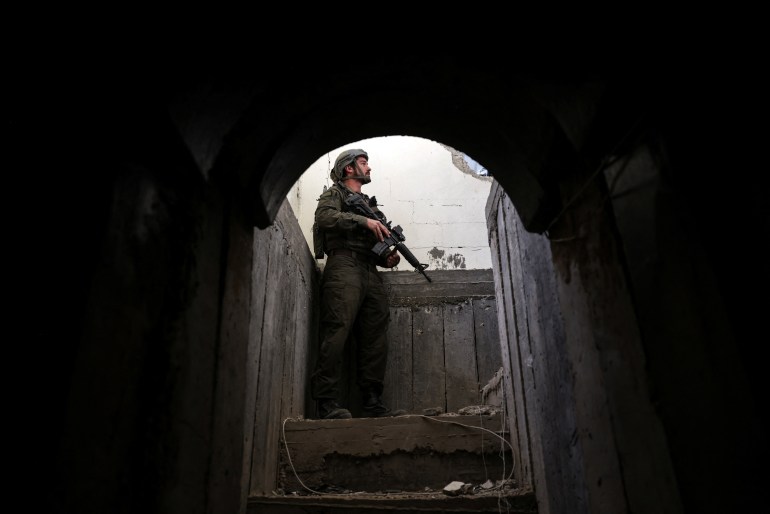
(353,298)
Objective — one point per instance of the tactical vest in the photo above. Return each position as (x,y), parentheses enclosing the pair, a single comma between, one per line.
(319,237)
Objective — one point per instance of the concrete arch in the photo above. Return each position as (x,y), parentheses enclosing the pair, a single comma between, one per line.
(503,125)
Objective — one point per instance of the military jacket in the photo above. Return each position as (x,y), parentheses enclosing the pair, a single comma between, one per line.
(337,227)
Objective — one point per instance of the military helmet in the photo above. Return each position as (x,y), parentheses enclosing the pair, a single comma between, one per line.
(345,158)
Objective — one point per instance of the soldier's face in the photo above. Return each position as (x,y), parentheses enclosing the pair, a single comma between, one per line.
(362,170)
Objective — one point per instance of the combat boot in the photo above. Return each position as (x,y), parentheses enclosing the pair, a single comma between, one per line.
(328,408)
(374,407)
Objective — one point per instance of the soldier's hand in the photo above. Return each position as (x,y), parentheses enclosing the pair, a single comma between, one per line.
(392,259)
(378,228)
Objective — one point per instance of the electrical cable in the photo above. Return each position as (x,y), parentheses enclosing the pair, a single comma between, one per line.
(288,455)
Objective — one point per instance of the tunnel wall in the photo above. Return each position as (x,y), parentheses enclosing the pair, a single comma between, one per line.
(588,438)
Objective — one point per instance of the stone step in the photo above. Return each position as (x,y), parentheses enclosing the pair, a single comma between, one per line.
(410,453)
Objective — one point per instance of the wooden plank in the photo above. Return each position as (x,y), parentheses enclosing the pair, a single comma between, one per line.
(261,247)
(550,393)
(514,402)
(306,337)
(521,372)
(265,449)
(298,383)
(428,350)
(462,382)
(230,428)
(302,274)
(288,334)
(398,375)
(590,338)
(485,327)
(405,288)
(439,277)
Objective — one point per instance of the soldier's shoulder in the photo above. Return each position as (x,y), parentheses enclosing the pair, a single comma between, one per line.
(334,190)
(333,193)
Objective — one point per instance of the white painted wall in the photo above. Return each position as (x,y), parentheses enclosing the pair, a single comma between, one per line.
(419,186)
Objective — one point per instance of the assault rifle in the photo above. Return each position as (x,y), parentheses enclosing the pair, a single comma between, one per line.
(396,237)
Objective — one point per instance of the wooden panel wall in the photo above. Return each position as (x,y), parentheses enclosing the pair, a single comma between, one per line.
(586,436)
(443,339)
(536,372)
(282,338)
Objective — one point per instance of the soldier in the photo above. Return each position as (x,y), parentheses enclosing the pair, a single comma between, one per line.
(353,297)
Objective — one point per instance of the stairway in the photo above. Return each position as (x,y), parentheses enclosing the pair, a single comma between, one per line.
(400,464)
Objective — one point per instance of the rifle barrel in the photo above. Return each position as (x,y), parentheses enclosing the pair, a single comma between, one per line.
(412,260)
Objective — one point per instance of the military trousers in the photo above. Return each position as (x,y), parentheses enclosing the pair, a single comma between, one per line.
(354,301)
